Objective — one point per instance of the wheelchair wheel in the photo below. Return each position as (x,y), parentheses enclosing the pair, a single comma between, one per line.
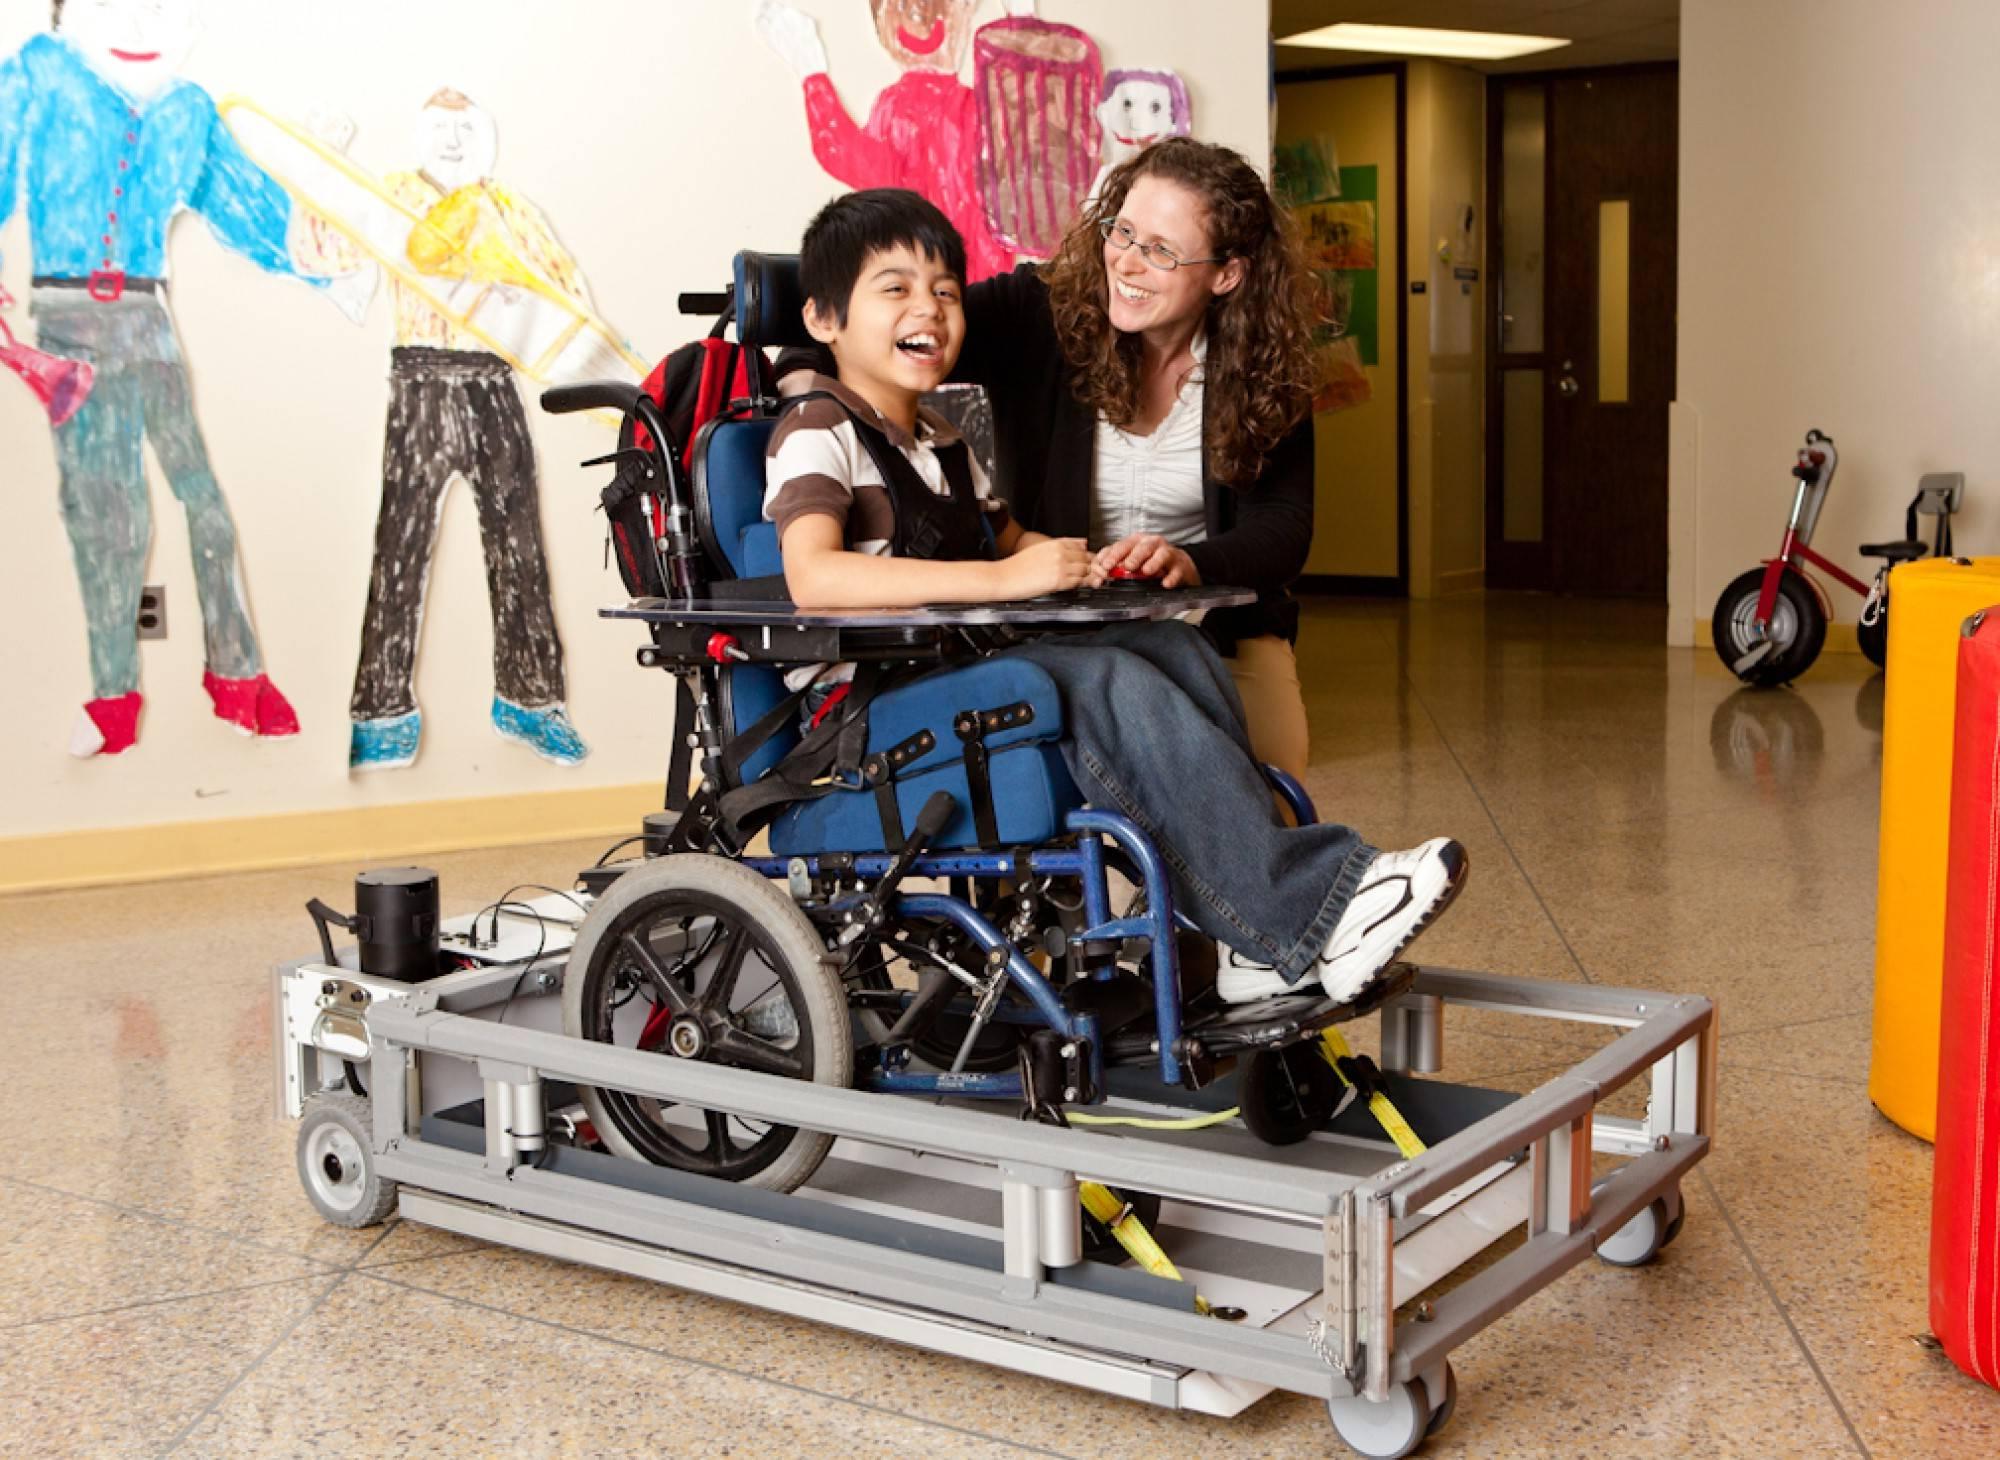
(937,1042)
(1287,1094)
(1796,632)
(695,957)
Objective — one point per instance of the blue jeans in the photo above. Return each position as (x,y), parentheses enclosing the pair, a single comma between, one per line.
(1155,730)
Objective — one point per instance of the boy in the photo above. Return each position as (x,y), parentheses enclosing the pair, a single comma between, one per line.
(878,504)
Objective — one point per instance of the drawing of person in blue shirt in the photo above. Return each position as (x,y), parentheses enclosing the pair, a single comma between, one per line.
(106,144)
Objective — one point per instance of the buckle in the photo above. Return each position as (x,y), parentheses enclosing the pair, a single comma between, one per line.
(106,286)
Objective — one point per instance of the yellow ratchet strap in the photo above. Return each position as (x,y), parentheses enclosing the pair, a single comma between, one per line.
(1335,1049)
(1124,1224)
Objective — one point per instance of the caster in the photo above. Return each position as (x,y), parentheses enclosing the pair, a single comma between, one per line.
(1287,1094)
(1389,1429)
(337,1163)
(1639,1241)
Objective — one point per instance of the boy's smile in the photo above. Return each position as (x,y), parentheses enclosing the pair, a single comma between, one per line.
(905,325)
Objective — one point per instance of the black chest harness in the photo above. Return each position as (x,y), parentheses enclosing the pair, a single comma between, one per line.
(833,754)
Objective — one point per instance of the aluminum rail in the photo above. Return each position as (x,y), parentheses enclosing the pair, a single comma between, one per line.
(869,1117)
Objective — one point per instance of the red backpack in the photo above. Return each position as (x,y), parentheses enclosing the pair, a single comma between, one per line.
(693,385)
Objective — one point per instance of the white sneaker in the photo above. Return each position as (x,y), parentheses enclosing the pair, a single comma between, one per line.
(1398,896)
(1240,980)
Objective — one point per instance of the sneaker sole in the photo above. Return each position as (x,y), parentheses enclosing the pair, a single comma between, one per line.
(1457,862)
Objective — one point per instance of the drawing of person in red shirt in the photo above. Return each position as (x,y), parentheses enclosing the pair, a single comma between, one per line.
(922,132)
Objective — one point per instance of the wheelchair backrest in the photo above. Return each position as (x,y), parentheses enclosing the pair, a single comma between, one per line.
(728,481)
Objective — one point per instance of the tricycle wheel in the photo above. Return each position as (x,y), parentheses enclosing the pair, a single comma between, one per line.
(1874,638)
(1384,1429)
(1284,1095)
(695,957)
(337,1161)
(1795,633)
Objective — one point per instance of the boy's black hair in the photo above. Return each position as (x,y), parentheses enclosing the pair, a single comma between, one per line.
(846,231)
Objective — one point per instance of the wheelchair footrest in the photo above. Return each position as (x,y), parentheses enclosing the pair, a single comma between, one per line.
(1232,1028)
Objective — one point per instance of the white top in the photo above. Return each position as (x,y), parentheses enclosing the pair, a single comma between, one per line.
(1153,483)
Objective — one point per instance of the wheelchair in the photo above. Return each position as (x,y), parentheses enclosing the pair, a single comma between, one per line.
(1011,976)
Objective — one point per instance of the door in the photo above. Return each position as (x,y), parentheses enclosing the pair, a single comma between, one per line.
(1584,331)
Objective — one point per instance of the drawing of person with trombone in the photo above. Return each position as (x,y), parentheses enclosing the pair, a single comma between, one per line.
(473,267)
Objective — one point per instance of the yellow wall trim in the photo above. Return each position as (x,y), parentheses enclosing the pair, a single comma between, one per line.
(360,834)
(1840,638)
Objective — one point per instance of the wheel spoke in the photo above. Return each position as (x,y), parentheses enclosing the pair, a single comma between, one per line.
(723,983)
(720,1147)
(641,953)
(757,1054)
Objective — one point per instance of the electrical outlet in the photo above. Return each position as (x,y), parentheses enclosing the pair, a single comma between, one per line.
(153,611)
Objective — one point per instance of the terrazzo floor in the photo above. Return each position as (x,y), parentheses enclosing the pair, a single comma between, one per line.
(1632,818)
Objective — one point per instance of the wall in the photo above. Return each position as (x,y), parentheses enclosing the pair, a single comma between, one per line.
(637,125)
(1355,528)
(1839,268)
(1447,429)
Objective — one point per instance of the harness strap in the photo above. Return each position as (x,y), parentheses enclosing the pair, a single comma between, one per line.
(970,728)
(680,761)
(1361,1077)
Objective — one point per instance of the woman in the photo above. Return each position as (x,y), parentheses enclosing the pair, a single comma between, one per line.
(1152,390)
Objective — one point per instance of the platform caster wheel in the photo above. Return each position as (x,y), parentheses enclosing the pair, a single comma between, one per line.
(337,1162)
(1639,1241)
(1389,1429)
(1284,1095)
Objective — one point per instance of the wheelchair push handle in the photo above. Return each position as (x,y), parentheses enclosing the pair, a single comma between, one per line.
(591,395)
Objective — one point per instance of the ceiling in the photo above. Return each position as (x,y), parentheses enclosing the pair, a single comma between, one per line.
(1601,32)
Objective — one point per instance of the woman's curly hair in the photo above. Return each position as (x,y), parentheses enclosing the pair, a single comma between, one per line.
(1261,370)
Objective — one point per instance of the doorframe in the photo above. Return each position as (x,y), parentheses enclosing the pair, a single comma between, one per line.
(1379,585)
(1531,559)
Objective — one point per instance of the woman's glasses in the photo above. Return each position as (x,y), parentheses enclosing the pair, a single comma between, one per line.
(1120,236)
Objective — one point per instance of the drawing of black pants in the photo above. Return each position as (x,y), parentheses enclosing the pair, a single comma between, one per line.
(140,394)
(456,413)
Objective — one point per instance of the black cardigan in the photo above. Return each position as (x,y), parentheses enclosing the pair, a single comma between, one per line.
(1045,445)
(1045,448)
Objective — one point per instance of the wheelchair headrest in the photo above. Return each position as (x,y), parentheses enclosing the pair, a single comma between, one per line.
(770,303)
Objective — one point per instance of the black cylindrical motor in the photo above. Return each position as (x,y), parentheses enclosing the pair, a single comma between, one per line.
(396,919)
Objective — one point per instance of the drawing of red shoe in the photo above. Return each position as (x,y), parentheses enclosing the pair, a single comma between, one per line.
(106,727)
(253,706)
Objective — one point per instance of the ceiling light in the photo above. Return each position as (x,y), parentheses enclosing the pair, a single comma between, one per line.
(1409,40)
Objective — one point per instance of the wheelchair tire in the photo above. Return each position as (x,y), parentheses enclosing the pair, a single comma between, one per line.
(758,993)
(1284,1095)
(1797,630)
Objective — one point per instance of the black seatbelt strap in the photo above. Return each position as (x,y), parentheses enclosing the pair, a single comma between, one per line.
(680,761)
(971,731)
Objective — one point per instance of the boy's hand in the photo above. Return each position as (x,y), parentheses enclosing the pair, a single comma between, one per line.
(1148,555)
(1053,565)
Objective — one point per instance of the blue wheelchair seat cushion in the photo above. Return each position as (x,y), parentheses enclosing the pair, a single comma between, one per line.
(1021,716)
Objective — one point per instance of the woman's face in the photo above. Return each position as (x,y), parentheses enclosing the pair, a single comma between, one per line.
(1144,296)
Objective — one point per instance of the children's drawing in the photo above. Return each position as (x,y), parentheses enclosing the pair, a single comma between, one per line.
(107,144)
(454,414)
(1139,108)
(922,132)
(1341,249)
(1339,235)
(1306,171)
(1038,86)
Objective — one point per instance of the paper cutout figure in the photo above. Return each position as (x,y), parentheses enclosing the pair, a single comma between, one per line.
(108,144)
(455,413)
(922,132)
(1139,108)
(1038,85)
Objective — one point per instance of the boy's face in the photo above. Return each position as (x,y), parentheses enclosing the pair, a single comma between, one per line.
(905,325)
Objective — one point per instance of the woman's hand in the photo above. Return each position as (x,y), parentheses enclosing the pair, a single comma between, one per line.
(1148,555)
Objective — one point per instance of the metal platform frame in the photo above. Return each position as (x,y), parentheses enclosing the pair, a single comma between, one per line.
(1386,1237)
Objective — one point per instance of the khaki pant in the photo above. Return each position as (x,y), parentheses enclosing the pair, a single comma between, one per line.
(1267,677)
